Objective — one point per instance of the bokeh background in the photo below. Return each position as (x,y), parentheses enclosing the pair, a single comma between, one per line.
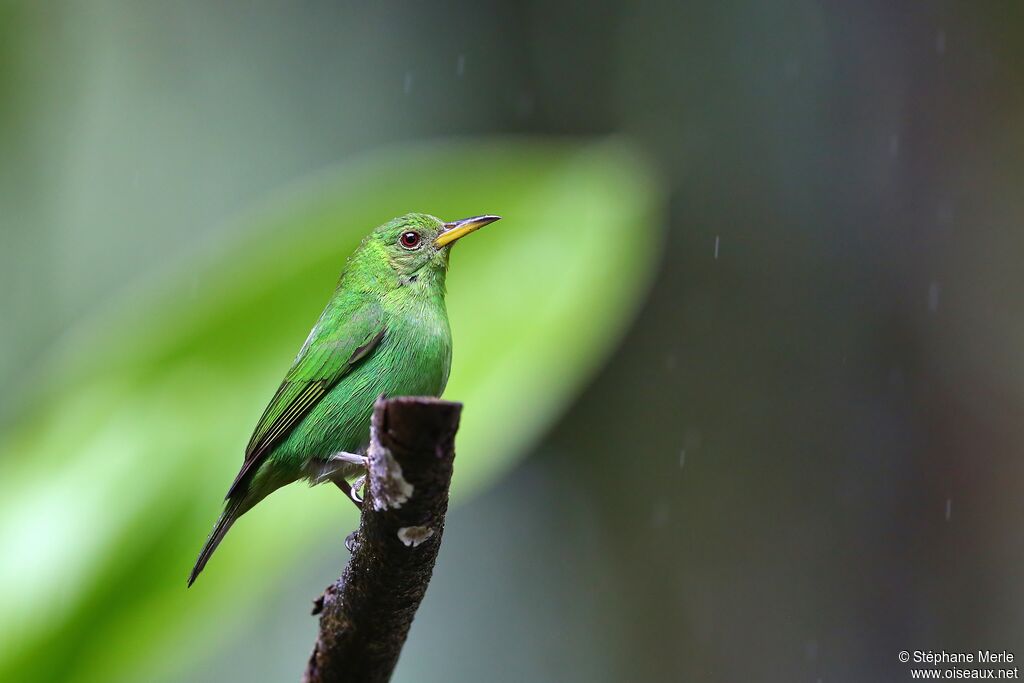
(742,365)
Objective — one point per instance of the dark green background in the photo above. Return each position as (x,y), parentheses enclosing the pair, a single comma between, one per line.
(833,337)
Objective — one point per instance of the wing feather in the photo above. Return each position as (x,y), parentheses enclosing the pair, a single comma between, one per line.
(330,353)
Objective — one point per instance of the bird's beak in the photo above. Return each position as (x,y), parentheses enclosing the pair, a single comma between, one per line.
(456,229)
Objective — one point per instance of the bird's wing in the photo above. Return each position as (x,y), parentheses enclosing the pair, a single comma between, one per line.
(331,351)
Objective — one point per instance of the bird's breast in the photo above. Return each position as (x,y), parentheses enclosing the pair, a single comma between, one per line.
(418,351)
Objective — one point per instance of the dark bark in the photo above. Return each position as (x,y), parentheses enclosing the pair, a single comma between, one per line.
(365,615)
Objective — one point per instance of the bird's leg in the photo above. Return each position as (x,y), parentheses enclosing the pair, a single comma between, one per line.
(349,458)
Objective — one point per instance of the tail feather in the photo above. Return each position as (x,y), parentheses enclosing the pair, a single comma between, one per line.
(224,522)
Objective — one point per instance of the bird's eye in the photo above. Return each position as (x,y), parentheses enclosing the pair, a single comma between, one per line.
(409,240)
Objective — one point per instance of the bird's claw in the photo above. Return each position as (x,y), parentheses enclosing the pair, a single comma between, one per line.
(356,490)
(351,541)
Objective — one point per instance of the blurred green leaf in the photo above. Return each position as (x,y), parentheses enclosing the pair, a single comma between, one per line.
(116,470)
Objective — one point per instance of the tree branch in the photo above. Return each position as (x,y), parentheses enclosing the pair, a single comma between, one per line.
(365,615)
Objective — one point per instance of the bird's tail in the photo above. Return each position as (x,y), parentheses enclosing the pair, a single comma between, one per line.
(224,522)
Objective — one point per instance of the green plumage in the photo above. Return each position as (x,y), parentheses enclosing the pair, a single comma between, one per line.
(384,331)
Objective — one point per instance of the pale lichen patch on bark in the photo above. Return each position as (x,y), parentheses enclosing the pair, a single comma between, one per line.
(412,536)
(388,488)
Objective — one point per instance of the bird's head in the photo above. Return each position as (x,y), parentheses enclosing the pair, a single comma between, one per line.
(415,247)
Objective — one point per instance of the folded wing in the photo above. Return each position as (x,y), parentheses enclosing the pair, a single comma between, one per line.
(333,349)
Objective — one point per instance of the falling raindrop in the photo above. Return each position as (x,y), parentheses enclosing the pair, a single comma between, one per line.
(717,239)
(949,508)
(940,42)
(894,145)
(407,86)
(682,458)
(460,66)
(933,296)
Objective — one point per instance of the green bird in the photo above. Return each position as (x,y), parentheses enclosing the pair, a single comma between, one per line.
(384,331)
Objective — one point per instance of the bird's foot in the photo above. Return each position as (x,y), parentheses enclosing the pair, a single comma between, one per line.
(340,466)
(349,492)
